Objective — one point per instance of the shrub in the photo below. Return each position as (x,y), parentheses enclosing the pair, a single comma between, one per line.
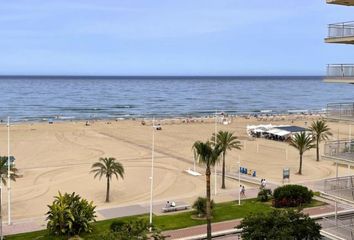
(132,230)
(117,226)
(70,215)
(278,225)
(200,206)
(291,196)
(264,194)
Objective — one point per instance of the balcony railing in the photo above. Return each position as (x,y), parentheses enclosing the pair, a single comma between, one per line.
(340,149)
(340,70)
(340,111)
(340,30)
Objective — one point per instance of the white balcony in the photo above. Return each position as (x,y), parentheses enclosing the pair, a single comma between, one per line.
(340,73)
(341,33)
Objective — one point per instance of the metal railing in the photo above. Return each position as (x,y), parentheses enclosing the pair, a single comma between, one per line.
(340,149)
(341,227)
(340,111)
(342,187)
(344,29)
(340,70)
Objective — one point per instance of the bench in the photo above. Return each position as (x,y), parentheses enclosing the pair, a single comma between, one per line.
(176,208)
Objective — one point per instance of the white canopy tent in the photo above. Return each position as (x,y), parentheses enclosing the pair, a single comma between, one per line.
(276,132)
(279,132)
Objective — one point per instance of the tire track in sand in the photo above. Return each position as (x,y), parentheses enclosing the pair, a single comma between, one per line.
(186,160)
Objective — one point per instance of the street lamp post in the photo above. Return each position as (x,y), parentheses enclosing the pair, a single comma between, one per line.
(215,172)
(152,170)
(1,233)
(239,180)
(8,174)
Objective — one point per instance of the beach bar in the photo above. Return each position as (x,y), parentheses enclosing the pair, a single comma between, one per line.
(273,132)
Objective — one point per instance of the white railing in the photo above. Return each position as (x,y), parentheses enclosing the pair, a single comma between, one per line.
(344,29)
(340,70)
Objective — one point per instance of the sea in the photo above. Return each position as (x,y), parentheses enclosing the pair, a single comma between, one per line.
(41,98)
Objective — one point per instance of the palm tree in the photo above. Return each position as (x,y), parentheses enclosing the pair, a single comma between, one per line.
(207,155)
(107,167)
(320,132)
(4,171)
(227,141)
(302,142)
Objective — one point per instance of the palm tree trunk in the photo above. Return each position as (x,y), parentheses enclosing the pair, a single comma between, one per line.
(223,171)
(208,210)
(107,192)
(318,149)
(300,167)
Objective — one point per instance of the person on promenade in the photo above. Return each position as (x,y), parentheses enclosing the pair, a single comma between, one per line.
(264,183)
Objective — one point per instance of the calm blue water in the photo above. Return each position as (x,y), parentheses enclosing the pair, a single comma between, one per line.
(80,98)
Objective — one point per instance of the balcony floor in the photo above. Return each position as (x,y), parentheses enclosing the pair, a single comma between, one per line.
(339,80)
(341,2)
(342,40)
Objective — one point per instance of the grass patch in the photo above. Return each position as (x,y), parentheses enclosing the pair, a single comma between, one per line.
(314,203)
(222,212)
(317,194)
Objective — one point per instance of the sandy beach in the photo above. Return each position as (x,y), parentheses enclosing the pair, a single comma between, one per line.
(58,157)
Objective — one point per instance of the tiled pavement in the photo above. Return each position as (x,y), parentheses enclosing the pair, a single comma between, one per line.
(26,225)
(122,211)
(198,230)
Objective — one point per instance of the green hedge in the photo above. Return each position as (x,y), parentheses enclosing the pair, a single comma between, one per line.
(291,196)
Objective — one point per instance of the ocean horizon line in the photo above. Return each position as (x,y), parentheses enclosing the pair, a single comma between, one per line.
(160,77)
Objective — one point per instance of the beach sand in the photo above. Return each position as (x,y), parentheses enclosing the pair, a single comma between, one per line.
(58,157)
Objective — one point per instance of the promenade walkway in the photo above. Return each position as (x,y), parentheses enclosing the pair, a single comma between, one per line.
(34,224)
(228,225)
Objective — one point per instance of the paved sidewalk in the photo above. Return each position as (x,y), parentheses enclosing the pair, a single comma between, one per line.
(26,225)
(229,225)
(34,224)
(201,229)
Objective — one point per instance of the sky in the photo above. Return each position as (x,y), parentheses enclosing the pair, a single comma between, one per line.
(165,37)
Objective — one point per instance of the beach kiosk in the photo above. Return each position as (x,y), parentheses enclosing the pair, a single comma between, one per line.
(286,175)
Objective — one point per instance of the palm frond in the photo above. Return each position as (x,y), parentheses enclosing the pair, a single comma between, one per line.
(107,167)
